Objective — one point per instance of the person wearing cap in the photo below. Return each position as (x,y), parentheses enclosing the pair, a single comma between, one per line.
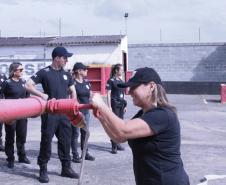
(58,84)
(115,99)
(2,79)
(153,133)
(13,88)
(83,91)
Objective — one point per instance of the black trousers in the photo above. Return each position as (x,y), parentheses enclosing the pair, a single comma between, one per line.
(19,127)
(119,111)
(61,127)
(75,135)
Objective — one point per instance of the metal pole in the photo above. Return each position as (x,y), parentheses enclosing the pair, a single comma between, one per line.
(60,27)
(83,154)
(199,35)
(160,35)
(126,17)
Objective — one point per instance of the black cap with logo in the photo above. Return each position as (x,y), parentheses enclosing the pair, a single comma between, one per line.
(142,76)
(79,65)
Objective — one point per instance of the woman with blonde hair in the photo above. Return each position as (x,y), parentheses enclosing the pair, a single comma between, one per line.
(153,133)
(83,91)
(13,88)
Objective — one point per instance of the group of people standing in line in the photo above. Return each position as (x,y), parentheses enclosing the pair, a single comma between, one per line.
(56,83)
(153,134)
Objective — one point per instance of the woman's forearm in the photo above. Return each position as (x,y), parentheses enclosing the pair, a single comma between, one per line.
(113,125)
(107,129)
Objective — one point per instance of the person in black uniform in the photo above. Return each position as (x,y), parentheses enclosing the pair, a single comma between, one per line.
(13,88)
(153,133)
(115,98)
(56,83)
(83,91)
(2,79)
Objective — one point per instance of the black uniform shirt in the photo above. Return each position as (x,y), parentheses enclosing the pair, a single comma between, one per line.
(12,89)
(116,92)
(156,159)
(2,79)
(83,92)
(55,83)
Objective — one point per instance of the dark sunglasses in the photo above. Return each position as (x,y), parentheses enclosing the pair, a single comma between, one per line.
(134,87)
(20,70)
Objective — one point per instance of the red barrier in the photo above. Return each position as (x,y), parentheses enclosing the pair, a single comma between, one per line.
(223,93)
(98,77)
(128,76)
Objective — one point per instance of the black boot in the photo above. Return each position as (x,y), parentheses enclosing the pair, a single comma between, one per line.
(120,147)
(10,164)
(76,159)
(67,171)
(43,175)
(113,147)
(24,159)
(2,148)
(89,157)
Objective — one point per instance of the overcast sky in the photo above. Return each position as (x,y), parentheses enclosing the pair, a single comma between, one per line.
(178,20)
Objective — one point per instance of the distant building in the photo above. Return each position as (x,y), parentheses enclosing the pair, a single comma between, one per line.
(35,52)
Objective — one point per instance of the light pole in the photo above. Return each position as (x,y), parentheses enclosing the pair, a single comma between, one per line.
(126,17)
(160,35)
(59,27)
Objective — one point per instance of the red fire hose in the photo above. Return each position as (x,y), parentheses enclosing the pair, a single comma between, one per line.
(13,109)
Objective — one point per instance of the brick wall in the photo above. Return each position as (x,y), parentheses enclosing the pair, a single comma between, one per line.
(186,66)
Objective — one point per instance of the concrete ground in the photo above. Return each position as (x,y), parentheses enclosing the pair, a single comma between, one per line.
(203,127)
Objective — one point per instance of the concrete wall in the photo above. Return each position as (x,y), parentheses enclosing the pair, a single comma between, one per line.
(185,68)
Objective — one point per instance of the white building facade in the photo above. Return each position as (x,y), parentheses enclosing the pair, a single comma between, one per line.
(35,53)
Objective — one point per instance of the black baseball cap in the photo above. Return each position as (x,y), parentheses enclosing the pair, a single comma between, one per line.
(60,52)
(79,65)
(142,76)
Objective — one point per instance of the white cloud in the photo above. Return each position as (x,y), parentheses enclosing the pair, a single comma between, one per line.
(179,20)
(10,2)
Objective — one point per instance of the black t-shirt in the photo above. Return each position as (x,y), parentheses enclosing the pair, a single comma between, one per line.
(55,83)
(156,159)
(83,92)
(12,89)
(2,79)
(116,92)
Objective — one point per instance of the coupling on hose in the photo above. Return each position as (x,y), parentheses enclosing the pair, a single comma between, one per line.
(77,120)
(69,107)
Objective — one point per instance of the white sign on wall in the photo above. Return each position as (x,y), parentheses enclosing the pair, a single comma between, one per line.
(30,67)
